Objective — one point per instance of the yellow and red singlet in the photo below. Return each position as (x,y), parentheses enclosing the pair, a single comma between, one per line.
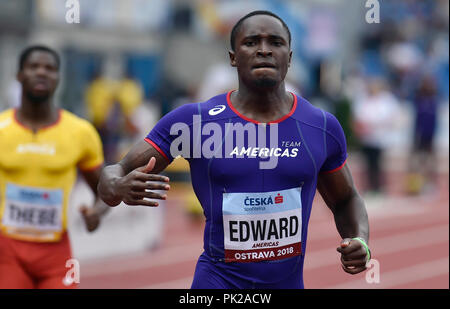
(37,173)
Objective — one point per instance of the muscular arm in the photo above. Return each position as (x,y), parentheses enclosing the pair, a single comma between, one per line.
(129,179)
(350,216)
(139,155)
(339,193)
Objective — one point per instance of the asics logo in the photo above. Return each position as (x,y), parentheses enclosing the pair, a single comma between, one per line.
(216,110)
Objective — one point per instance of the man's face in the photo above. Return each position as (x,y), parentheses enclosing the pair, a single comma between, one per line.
(262,53)
(39,76)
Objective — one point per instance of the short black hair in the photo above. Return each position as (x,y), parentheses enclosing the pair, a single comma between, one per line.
(29,50)
(237,26)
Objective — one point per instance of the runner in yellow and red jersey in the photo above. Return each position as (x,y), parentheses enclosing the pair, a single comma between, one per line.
(41,148)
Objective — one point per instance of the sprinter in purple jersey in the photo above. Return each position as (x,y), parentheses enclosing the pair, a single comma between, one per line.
(257,156)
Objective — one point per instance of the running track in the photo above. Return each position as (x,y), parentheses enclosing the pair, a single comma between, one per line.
(409,238)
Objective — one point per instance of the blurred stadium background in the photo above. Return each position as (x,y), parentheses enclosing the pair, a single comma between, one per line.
(127,63)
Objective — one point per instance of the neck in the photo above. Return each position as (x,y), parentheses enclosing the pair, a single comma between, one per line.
(37,114)
(261,104)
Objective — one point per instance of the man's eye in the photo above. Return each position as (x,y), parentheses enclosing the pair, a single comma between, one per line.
(249,43)
(277,43)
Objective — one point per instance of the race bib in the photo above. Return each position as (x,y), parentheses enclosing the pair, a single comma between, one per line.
(32,213)
(263,226)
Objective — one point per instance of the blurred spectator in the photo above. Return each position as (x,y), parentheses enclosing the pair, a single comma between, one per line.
(422,162)
(110,106)
(129,95)
(374,117)
(99,98)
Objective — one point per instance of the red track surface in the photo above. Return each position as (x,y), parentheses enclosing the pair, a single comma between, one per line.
(409,237)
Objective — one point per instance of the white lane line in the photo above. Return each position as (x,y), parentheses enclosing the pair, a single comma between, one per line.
(385,245)
(315,227)
(163,257)
(400,277)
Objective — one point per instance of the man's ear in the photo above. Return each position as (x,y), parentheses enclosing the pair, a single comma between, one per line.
(232,58)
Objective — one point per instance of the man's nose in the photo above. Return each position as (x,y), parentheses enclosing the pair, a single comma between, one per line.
(264,50)
(41,71)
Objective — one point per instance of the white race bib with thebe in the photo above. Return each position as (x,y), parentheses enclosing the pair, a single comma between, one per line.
(33,213)
(263,226)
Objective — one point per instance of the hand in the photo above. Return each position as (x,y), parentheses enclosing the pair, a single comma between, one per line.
(134,187)
(353,256)
(91,217)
